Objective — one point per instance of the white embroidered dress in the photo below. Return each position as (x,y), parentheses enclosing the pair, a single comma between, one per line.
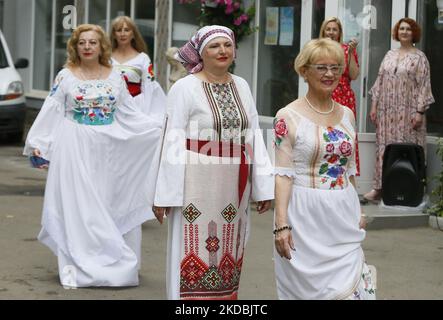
(324,210)
(208,226)
(139,76)
(103,153)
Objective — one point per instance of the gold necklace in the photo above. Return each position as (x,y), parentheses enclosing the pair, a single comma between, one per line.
(94,77)
(318,111)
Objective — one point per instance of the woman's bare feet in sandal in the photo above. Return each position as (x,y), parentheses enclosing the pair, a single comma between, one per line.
(373,195)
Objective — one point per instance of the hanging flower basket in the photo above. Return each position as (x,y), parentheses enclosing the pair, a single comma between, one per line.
(228,13)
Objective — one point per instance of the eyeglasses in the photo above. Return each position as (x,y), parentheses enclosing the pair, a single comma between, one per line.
(322,69)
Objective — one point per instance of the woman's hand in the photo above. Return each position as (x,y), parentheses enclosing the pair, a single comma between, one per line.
(373,114)
(363,222)
(352,45)
(284,244)
(160,212)
(263,206)
(36,152)
(417,121)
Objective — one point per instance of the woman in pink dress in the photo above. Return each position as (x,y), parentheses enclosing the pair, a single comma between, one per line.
(400,97)
(343,94)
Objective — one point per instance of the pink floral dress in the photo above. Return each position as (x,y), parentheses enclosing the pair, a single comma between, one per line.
(344,94)
(403,86)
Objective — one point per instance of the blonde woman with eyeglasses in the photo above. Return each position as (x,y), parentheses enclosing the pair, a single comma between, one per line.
(318,222)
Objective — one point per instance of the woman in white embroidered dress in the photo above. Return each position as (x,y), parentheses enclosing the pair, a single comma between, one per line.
(101,151)
(214,162)
(129,56)
(318,221)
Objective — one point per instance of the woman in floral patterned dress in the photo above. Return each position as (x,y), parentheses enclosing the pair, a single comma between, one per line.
(214,162)
(400,97)
(332,28)
(318,222)
(130,58)
(102,153)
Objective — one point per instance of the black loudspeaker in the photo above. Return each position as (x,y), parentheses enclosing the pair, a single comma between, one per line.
(404,175)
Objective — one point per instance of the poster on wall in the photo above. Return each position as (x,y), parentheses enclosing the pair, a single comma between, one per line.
(286,26)
(271,36)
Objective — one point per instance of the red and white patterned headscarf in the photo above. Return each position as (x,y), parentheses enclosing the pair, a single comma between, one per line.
(190,54)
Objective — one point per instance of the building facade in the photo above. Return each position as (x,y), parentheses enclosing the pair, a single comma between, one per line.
(36,29)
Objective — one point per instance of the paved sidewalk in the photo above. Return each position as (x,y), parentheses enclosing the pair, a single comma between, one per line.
(409,261)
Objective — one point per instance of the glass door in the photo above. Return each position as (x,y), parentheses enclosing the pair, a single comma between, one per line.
(281,34)
(370,22)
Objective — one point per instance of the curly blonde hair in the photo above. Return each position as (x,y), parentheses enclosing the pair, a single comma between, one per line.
(325,23)
(137,42)
(73,58)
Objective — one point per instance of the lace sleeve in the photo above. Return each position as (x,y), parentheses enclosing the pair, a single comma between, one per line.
(284,138)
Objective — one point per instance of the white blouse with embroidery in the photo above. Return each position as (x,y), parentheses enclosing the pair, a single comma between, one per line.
(152,100)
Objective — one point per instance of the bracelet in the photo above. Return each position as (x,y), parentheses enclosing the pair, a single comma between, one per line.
(421,112)
(281,229)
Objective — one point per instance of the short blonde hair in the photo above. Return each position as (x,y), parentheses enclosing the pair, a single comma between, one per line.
(317,49)
(325,23)
(137,42)
(105,45)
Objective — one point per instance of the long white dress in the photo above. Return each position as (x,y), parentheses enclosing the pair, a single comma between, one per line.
(324,210)
(139,76)
(103,153)
(209,222)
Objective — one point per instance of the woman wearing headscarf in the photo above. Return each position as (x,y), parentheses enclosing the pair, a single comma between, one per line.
(214,161)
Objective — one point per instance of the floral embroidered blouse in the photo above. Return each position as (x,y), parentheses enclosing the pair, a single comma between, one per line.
(315,156)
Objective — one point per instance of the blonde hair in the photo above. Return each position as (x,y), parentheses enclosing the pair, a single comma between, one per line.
(137,42)
(325,23)
(317,49)
(105,46)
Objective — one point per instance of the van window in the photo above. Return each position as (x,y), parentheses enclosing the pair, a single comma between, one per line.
(3,60)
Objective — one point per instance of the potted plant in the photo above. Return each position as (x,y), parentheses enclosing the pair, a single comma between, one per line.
(436,210)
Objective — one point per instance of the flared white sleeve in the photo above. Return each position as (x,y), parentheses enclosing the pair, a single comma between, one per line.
(154,99)
(261,175)
(171,177)
(49,119)
(129,116)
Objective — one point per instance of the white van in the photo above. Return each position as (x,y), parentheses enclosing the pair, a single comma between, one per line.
(12,99)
